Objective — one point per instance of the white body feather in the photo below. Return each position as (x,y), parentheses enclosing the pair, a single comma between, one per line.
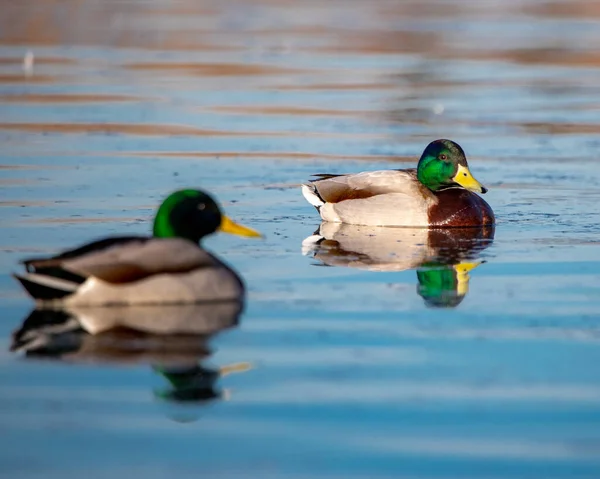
(390,198)
(205,284)
(310,194)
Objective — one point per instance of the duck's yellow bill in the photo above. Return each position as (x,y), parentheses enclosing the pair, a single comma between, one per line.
(231,227)
(235,368)
(462,276)
(465,179)
(463,268)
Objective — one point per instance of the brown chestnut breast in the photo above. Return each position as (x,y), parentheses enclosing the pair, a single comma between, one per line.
(457,207)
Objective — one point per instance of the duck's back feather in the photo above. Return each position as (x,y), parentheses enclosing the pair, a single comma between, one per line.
(138,259)
(387,197)
(33,264)
(337,188)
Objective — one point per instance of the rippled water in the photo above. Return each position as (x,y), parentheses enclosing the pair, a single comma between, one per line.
(375,355)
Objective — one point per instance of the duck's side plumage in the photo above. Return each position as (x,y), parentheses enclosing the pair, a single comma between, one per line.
(131,270)
(373,198)
(394,198)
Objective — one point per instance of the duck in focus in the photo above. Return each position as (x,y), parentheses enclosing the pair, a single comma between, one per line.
(441,192)
(169,267)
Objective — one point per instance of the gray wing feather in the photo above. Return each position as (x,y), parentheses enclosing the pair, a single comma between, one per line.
(136,260)
(368,184)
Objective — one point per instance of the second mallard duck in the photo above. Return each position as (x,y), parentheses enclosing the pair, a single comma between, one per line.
(168,267)
(440,193)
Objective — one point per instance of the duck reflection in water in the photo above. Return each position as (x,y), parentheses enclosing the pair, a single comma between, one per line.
(174,340)
(442,258)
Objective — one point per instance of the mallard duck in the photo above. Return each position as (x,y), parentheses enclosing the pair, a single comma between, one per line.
(168,267)
(440,193)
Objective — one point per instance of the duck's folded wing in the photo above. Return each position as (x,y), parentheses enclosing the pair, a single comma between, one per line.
(135,259)
(334,189)
(33,264)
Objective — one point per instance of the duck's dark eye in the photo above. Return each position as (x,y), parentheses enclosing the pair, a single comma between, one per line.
(201,206)
(443,157)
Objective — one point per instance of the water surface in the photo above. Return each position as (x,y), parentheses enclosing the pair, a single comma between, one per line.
(409,354)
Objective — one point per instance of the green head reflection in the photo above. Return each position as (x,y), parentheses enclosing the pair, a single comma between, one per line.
(444,286)
(195,383)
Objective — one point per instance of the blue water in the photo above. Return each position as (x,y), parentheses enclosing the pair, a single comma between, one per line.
(351,374)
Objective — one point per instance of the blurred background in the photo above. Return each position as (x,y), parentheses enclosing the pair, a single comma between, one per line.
(340,78)
(364,368)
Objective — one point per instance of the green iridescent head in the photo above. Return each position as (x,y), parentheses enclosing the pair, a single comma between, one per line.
(193,214)
(443,164)
(444,286)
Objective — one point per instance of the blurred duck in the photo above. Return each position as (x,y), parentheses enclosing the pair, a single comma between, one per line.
(168,267)
(440,193)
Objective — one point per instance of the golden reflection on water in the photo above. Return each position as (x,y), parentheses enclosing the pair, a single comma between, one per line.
(9,78)
(215,69)
(110,128)
(266,154)
(202,25)
(140,129)
(66,98)
(395,52)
